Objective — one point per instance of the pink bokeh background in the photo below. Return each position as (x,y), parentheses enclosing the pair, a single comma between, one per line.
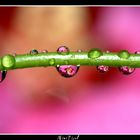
(39,100)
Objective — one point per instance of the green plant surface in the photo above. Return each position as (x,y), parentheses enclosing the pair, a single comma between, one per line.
(94,57)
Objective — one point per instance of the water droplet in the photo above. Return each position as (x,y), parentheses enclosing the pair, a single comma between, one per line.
(33,51)
(8,61)
(137,52)
(63,50)
(107,51)
(3,75)
(124,54)
(126,70)
(67,70)
(14,54)
(94,53)
(102,68)
(44,51)
(79,50)
(52,61)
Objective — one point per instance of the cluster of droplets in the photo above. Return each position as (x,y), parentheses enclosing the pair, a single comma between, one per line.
(64,70)
(126,70)
(102,68)
(67,70)
(71,70)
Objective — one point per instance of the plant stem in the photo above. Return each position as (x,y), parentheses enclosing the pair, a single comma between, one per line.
(91,58)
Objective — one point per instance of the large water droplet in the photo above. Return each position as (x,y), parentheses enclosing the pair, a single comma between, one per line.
(34,51)
(3,75)
(102,68)
(63,50)
(126,70)
(94,53)
(67,70)
(124,54)
(8,61)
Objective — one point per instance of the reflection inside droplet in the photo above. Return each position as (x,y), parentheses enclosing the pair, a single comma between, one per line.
(67,70)
(126,70)
(44,51)
(33,51)
(63,50)
(102,68)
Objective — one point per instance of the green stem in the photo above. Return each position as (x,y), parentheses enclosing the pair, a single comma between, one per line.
(92,58)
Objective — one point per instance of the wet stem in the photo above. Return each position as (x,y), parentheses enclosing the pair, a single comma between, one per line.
(67,63)
(92,58)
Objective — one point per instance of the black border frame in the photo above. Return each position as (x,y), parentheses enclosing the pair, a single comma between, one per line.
(19,3)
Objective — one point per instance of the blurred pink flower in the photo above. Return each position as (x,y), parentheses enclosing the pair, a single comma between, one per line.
(119,27)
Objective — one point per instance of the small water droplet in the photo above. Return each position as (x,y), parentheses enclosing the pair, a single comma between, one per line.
(124,54)
(102,68)
(63,50)
(67,70)
(107,51)
(33,51)
(79,50)
(44,51)
(14,54)
(126,70)
(52,61)
(3,75)
(137,52)
(94,53)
